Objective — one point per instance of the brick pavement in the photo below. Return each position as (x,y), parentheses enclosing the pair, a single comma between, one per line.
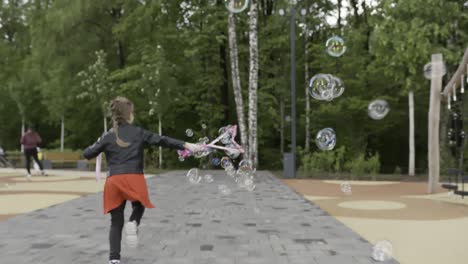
(191,224)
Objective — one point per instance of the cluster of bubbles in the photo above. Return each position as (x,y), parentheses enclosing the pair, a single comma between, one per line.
(382,251)
(236,6)
(335,46)
(326,139)
(243,176)
(195,178)
(378,109)
(325,87)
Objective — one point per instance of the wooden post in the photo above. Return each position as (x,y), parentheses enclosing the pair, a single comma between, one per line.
(433,124)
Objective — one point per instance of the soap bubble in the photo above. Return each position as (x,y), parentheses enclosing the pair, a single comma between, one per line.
(346,188)
(181,158)
(335,46)
(321,87)
(434,70)
(233,153)
(215,161)
(224,190)
(325,87)
(225,162)
(203,140)
(245,168)
(378,109)
(208,178)
(193,176)
(191,172)
(236,6)
(203,126)
(189,132)
(226,139)
(250,188)
(326,139)
(382,251)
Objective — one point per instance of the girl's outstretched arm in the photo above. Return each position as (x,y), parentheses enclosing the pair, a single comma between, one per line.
(151,138)
(95,149)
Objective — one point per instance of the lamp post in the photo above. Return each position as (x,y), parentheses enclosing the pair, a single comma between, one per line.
(292,37)
(290,158)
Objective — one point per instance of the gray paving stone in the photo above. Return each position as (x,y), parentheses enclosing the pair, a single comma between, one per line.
(191,224)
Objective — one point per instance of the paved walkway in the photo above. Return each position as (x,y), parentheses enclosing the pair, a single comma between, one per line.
(192,224)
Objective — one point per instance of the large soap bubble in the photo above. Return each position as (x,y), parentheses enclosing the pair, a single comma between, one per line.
(325,87)
(321,87)
(432,70)
(378,109)
(335,46)
(236,6)
(193,176)
(326,139)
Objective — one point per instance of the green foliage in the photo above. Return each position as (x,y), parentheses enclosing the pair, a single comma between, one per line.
(62,58)
(359,165)
(324,161)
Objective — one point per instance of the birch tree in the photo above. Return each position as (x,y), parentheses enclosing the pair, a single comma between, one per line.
(253,82)
(236,84)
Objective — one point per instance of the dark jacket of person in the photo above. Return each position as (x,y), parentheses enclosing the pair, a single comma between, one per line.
(30,140)
(128,160)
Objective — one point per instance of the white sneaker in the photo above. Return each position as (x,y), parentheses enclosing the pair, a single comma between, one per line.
(28,177)
(114,261)
(131,230)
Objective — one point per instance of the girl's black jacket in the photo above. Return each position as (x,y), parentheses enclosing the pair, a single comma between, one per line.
(128,160)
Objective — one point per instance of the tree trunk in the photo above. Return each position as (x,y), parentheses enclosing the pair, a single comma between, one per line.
(433,124)
(105,124)
(253,83)
(411,164)
(62,133)
(339,13)
(236,85)
(160,148)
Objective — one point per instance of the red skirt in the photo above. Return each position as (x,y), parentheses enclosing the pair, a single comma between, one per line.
(123,187)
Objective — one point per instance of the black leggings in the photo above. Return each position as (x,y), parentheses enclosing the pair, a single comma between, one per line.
(32,153)
(117,223)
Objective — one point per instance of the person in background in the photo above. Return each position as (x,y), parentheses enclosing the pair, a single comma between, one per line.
(30,140)
(3,159)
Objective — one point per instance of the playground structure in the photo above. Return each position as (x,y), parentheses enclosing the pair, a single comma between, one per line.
(456,135)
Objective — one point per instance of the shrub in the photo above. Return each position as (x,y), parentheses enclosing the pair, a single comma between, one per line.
(360,166)
(324,161)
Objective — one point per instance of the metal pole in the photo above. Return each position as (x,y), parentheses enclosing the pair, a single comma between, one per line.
(293,89)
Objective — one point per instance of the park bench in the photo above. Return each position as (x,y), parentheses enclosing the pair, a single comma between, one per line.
(54,159)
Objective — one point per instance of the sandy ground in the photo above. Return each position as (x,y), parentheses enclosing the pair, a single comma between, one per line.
(423,229)
(18,195)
